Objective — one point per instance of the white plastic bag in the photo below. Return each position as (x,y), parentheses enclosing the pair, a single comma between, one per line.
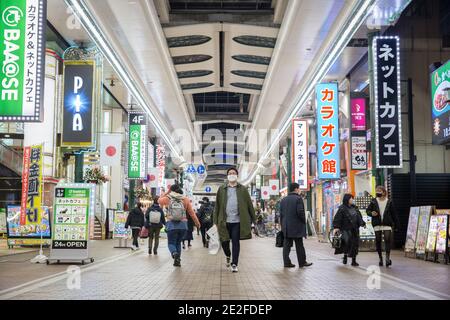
(214,243)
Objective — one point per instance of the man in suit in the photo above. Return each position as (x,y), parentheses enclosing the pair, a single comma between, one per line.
(293,226)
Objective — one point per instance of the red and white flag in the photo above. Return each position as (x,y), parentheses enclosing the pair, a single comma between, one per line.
(153,178)
(110,149)
(265,192)
(274,187)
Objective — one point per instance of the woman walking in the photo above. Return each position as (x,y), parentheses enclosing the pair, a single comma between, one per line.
(347,221)
(135,220)
(189,234)
(154,221)
(384,220)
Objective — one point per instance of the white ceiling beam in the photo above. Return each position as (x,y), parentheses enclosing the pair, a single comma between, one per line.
(246,123)
(279,10)
(163,8)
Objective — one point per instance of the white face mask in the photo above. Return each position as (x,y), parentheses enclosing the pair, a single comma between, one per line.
(232,178)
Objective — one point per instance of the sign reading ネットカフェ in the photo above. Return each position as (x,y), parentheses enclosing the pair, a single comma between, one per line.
(387,102)
(137,146)
(78,104)
(22,59)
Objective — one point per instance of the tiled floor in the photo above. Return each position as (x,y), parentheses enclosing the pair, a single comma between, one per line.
(122,274)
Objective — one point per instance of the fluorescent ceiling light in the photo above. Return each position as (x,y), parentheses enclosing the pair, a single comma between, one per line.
(93,29)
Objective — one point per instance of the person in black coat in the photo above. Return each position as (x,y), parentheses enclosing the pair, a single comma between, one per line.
(348,220)
(188,235)
(205,215)
(293,226)
(154,229)
(135,220)
(384,220)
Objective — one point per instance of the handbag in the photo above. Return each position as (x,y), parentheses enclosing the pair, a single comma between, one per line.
(143,234)
(336,241)
(279,239)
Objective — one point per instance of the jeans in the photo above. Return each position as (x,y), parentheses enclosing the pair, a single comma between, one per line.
(301,255)
(153,233)
(234,230)
(174,238)
(135,234)
(387,242)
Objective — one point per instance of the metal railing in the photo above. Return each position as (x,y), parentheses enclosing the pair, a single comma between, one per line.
(10,158)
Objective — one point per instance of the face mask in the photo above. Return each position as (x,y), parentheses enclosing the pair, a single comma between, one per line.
(232,178)
(379,195)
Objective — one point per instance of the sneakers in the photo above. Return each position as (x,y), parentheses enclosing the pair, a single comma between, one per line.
(134,248)
(228,262)
(234,268)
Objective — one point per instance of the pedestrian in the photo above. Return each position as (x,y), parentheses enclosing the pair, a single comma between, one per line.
(384,220)
(347,221)
(205,215)
(178,207)
(135,220)
(233,215)
(293,226)
(154,220)
(188,235)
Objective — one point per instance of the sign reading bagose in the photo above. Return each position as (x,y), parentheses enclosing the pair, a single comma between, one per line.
(328,131)
(387,102)
(22,56)
(137,146)
(300,153)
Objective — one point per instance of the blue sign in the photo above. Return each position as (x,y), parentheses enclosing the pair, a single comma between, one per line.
(327,96)
(191,169)
(201,169)
(208,189)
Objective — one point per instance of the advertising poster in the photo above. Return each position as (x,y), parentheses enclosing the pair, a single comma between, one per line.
(300,163)
(441,241)
(3,228)
(31,229)
(359,151)
(440,115)
(432,234)
(387,102)
(72,209)
(358,114)
(411,232)
(368,232)
(22,49)
(78,110)
(137,146)
(328,131)
(120,218)
(422,229)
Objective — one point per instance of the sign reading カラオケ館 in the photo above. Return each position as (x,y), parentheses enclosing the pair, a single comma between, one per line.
(328,131)
(22,59)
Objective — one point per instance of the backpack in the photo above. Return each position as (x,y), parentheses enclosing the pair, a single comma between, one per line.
(176,210)
(154,217)
(207,215)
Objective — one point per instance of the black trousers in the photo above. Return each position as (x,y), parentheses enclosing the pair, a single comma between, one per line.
(234,230)
(153,233)
(135,234)
(203,230)
(387,241)
(301,254)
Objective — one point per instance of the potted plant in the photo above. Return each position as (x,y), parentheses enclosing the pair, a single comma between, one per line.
(95,175)
(142,193)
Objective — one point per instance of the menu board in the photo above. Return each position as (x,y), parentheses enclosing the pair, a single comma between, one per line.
(71,217)
(120,218)
(411,232)
(441,241)
(422,229)
(432,234)
(3,228)
(368,232)
(34,226)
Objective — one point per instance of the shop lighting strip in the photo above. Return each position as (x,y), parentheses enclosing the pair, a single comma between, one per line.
(93,29)
(356,21)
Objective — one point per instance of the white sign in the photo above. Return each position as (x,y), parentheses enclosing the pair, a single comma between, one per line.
(265,193)
(300,152)
(359,153)
(274,187)
(110,149)
(153,175)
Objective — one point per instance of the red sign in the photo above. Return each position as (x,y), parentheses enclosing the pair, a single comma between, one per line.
(25,175)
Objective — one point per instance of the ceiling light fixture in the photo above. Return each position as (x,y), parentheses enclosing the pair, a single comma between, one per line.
(347,31)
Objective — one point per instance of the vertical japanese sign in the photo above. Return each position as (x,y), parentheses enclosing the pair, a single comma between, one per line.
(78,104)
(22,56)
(137,146)
(328,131)
(73,205)
(161,163)
(387,102)
(358,114)
(358,148)
(440,86)
(300,163)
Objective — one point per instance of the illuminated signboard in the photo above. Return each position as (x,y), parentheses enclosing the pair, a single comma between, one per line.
(440,95)
(137,145)
(300,154)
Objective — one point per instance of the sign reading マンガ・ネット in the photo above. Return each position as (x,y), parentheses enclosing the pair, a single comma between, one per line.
(22,59)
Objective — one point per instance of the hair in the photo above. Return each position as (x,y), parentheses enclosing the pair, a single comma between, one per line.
(205,199)
(347,198)
(176,188)
(293,186)
(382,188)
(155,199)
(232,169)
(139,204)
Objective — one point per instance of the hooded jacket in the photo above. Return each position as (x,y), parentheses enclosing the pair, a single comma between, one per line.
(164,202)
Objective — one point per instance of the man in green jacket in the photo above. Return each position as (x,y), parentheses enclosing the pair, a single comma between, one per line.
(233,215)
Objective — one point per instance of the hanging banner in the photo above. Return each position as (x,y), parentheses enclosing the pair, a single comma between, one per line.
(328,131)
(153,178)
(78,122)
(359,151)
(161,163)
(440,101)
(300,161)
(151,156)
(110,149)
(137,145)
(265,192)
(274,186)
(22,53)
(358,114)
(387,102)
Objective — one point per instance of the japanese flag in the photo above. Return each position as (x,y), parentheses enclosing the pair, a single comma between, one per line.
(153,174)
(265,192)
(110,149)
(274,187)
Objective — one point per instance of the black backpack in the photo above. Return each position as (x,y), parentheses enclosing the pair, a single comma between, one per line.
(207,215)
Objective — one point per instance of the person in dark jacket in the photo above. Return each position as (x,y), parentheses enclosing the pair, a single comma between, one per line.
(154,228)
(205,215)
(293,226)
(348,220)
(135,220)
(384,220)
(188,235)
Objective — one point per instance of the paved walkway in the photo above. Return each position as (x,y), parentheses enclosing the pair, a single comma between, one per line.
(122,274)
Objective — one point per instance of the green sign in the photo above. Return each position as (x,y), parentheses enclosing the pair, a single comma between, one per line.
(137,146)
(440,101)
(22,59)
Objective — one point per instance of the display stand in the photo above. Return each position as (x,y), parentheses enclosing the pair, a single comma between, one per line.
(123,244)
(119,231)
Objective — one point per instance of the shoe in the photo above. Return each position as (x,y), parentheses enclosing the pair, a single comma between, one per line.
(289,265)
(344,260)
(388,263)
(155,252)
(133,248)
(184,247)
(149,251)
(306,264)
(228,262)
(381,263)
(234,268)
(355,264)
(176,260)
